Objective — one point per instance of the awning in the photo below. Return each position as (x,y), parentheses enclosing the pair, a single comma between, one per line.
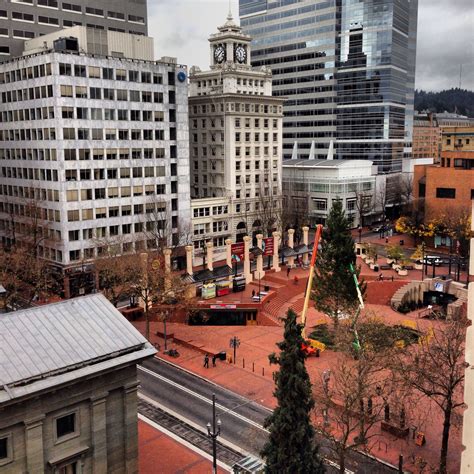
(256,251)
(301,249)
(222,271)
(203,275)
(287,252)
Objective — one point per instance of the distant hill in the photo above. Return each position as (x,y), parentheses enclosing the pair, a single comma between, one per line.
(456,100)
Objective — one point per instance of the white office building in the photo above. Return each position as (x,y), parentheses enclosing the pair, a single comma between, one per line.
(95,133)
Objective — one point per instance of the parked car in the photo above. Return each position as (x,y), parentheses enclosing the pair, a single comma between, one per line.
(433,259)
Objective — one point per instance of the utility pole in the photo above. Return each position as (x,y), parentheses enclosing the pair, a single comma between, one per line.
(216,431)
(234,343)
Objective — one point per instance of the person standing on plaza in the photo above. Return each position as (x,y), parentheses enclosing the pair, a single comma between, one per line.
(206,361)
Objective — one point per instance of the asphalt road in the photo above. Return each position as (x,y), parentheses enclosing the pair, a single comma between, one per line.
(190,398)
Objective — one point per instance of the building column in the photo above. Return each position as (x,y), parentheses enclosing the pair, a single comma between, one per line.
(247,272)
(99,433)
(189,259)
(34,445)
(228,252)
(306,242)
(291,244)
(167,255)
(276,242)
(210,256)
(130,427)
(259,273)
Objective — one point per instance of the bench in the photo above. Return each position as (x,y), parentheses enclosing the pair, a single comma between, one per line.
(385,267)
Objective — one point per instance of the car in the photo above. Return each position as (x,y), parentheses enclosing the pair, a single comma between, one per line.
(433,259)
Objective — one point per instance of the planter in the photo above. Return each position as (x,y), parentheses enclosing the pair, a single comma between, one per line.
(389,261)
(418,266)
(369,261)
(395,430)
(402,272)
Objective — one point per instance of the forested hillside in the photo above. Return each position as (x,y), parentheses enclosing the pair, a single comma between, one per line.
(456,100)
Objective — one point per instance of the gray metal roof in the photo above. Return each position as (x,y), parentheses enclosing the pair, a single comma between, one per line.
(62,337)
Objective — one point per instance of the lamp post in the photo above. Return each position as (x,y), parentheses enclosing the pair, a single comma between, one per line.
(359,229)
(423,261)
(165,316)
(234,343)
(216,431)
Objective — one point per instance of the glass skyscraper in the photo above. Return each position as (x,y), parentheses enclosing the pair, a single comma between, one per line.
(347,68)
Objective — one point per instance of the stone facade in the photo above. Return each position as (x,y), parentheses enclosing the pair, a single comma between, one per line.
(105,436)
(235,136)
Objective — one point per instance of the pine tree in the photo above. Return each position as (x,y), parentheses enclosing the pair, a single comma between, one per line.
(334,290)
(291,448)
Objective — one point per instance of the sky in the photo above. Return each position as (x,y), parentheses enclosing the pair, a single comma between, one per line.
(445,37)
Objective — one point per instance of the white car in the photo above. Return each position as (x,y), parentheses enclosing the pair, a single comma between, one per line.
(433,259)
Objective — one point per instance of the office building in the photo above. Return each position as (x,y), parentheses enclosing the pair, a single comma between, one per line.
(347,68)
(310,187)
(22,20)
(99,142)
(426,137)
(69,389)
(447,188)
(235,142)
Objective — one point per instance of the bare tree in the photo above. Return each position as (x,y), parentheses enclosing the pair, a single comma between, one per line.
(364,204)
(353,396)
(435,369)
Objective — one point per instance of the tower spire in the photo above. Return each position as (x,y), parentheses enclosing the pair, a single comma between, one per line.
(229,15)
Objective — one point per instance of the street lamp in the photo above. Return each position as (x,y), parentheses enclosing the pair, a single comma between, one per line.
(359,228)
(216,431)
(165,316)
(234,343)
(423,261)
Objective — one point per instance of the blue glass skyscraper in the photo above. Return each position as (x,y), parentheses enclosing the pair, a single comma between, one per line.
(347,68)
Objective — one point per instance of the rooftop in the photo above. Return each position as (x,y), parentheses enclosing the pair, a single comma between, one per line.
(56,343)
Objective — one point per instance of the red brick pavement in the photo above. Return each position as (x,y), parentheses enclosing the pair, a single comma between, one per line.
(161,454)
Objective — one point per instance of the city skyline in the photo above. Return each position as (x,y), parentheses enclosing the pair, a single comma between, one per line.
(441,47)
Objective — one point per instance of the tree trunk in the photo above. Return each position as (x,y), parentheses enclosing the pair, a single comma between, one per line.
(342,462)
(445,438)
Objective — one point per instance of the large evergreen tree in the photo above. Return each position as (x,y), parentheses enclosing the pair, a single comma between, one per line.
(334,290)
(291,448)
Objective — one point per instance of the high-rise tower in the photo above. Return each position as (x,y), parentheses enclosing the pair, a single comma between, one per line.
(347,68)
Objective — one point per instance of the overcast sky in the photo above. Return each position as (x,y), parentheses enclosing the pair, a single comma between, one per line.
(445,36)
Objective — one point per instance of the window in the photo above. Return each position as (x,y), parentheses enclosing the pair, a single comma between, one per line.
(6,454)
(71,7)
(94,11)
(22,16)
(94,72)
(446,193)
(116,15)
(136,19)
(65,69)
(48,20)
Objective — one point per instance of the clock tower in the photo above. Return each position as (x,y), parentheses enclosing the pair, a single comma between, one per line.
(230,45)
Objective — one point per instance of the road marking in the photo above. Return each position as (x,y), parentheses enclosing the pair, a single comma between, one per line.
(204,399)
(191,423)
(183,442)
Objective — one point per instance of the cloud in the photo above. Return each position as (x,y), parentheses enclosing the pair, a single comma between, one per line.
(445,36)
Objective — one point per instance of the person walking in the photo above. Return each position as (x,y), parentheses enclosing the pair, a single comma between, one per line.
(288,270)
(214,358)
(206,361)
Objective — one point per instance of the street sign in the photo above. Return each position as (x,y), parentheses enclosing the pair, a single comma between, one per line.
(267,245)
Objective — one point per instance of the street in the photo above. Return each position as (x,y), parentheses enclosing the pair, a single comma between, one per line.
(190,398)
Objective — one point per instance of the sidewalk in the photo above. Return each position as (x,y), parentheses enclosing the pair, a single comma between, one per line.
(160,453)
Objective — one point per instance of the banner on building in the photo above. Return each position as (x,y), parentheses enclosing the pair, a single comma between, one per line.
(268,246)
(238,250)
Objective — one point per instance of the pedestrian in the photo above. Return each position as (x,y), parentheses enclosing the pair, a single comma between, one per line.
(392,277)
(288,270)
(206,361)
(214,358)
(253,293)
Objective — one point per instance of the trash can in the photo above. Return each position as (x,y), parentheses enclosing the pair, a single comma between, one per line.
(222,355)
(376,268)
(402,242)
(266,288)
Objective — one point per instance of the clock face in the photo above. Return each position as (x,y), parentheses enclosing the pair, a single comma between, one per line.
(240,54)
(219,54)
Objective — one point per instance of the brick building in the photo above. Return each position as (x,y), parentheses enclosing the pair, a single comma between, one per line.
(448,187)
